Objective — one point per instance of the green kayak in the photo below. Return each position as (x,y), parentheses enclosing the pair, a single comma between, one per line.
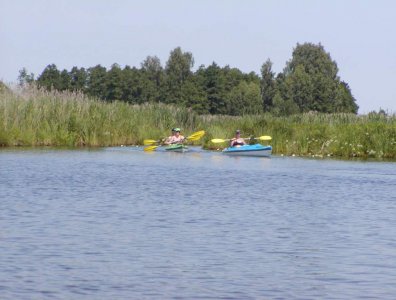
(176,148)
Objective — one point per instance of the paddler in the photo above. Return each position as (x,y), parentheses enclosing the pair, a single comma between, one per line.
(175,138)
(237,140)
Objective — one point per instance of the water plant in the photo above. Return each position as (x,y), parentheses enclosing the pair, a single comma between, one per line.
(34,117)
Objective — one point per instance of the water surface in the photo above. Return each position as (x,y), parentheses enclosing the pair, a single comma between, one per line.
(119,223)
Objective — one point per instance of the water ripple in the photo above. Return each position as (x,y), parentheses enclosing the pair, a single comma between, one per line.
(119,223)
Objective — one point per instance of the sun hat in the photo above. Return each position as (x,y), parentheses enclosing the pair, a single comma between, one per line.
(176,129)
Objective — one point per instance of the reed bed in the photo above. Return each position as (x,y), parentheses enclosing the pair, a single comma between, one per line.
(314,134)
(33,117)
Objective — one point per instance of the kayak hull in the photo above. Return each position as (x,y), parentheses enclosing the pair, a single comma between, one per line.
(176,148)
(249,150)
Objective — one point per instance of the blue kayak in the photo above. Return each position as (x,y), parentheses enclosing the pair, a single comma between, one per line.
(249,150)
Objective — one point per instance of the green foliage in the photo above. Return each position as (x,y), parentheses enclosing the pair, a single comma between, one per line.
(24,78)
(267,85)
(313,59)
(213,83)
(152,75)
(309,82)
(245,98)
(177,72)
(178,66)
(39,118)
(96,82)
(114,83)
(282,107)
(78,79)
(299,89)
(35,117)
(65,81)
(314,134)
(344,101)
(50,78)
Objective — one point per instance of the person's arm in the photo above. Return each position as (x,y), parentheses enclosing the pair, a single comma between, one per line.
(168,140)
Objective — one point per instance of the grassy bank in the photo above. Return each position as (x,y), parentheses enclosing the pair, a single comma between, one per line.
(321,135)
(36,118)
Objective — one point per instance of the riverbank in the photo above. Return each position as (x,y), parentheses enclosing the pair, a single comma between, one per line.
(37,118)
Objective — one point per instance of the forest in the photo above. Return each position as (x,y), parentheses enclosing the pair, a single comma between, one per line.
(309,82)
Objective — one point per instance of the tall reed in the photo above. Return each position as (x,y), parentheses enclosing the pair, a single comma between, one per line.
(314,134)
(33,117)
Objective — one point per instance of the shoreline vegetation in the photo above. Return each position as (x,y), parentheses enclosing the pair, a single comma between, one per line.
(34,117)
(309,82)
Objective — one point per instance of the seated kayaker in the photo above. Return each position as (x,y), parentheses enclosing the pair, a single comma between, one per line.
(175,138)
(237,140)
(167,141)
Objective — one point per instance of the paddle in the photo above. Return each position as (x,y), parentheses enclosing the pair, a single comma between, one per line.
(150,148)
(264,138)
(261,138)
(150,142)
(192,137)
(196,135)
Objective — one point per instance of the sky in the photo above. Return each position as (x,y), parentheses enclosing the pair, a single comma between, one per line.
(360,36)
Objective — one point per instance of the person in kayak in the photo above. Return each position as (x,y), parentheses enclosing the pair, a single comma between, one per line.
(175,138)
(237,140)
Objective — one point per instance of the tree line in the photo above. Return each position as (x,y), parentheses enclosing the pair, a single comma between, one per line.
(309,82)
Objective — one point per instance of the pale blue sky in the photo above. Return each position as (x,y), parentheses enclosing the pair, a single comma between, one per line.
(359,35)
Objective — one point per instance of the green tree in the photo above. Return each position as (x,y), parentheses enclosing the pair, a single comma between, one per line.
(213,82)
(314,59)
(78,79)
(50,78)
(114,84)
(133,89)
(177,71)
(153,69)
(344,101)
(282,107)
(96,82)
(25,78)
(310,80)
(152,74)
(65,80)
(219,84)
(245,98)
(194,96)
(267,85)
(300,89)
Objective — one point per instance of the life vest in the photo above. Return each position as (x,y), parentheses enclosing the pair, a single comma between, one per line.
(237,143)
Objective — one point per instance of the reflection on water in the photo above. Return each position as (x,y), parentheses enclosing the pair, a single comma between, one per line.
(120,223)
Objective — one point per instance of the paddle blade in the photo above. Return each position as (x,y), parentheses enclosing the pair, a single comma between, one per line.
(216,141)
(149,142)
(196,135)
(193,139)
(150,148)
(265,138)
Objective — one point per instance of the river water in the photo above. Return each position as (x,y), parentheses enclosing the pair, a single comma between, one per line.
(120,223)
